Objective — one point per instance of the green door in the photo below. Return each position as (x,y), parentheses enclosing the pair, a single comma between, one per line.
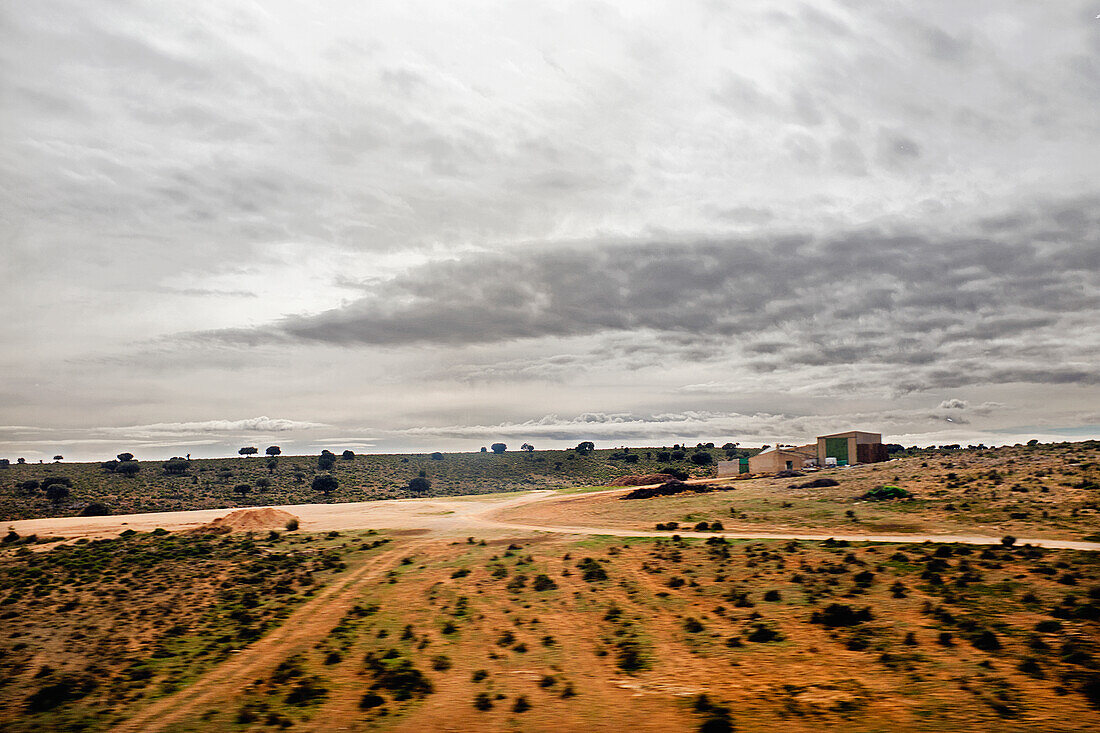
(837,448)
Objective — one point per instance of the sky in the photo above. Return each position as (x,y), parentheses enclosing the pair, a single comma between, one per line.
(418,226)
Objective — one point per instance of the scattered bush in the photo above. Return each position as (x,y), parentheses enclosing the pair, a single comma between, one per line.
(95,509)
(885,493)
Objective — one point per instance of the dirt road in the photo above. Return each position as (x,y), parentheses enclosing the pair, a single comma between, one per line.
(305,627)
(462,516)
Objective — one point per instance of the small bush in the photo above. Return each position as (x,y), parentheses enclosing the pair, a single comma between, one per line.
(543,582)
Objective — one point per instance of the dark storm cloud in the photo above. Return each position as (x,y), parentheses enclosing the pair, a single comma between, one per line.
(862,297)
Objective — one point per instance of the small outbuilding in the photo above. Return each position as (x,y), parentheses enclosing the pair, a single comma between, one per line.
(854,446)
(790,458)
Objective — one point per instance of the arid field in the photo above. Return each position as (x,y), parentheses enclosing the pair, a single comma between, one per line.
(455,613)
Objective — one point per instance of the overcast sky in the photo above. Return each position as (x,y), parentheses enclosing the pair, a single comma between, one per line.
(428,225)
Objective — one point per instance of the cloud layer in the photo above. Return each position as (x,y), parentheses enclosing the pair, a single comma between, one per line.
(376,219)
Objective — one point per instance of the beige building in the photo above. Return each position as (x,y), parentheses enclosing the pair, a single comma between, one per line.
(783,459)
(854,446)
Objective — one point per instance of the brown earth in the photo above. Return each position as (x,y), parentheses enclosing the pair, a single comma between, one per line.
(814,678)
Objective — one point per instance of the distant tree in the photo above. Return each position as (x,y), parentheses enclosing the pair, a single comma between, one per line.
(527,447)
(499,447)
(242,489)
(263,483)
(484,449)
(730,446)
(585,447)
(272,464)
(299,477)
(128,468)
(58,493)
(59,458)
(176,466)
(20,461)
(248,451)
(52,480)
(664,456)
(702,458)
(326,461)
(5,462)
(29,487)
(273,450)
(347,455)
(110,466)
(420,485)
(95,509)
(437,456)
(123,457)
(326,484)
(1033,442)
(678,455)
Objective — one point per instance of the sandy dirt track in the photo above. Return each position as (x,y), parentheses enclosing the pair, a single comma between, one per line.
(459,517)
(304,627)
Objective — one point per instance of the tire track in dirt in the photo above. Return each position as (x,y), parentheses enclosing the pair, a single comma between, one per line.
(304,627)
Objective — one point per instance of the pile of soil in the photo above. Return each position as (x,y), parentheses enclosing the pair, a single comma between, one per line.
(670,488)
(250,520)
(644,479)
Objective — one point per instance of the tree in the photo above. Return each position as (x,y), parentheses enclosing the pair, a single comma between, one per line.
(499,447)
(437,456)
(176,466)
(58,493)
(326,484)
(484,450)
(585,447)
(702,458)
(20,461)
(5,462)
(242,489)
(95,509)
(29,487)
(248,451)
(730,446)
(527,447)
(59,458)
(326,461)
(263,483)
(273,450)
(128,468)
(272,464)
(348,455)
(56,480)
(420,485)
(123,457)
(109,466)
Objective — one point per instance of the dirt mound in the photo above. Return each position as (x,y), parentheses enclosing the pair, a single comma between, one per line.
(642,479)
(248,520)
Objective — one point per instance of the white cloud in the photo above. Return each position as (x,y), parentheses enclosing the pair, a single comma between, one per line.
(248,425)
